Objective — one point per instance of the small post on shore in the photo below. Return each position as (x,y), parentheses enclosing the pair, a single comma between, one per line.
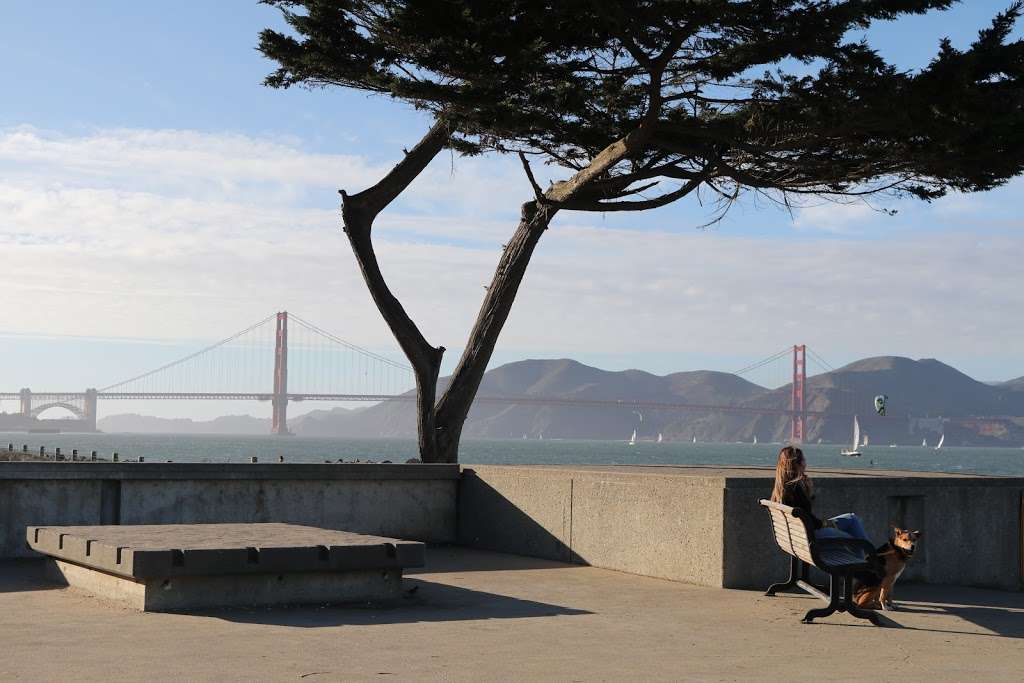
(74,454)
(93,456)
(42,451)
(24,448)
(115,456)
(57,454)
(253,458)
(280,458)
(142,458)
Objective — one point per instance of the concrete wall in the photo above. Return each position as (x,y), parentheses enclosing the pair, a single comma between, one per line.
(971,526)
(416,502)
(646,522)
(704,525)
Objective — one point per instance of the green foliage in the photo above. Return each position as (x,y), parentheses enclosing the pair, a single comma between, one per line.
(772,96)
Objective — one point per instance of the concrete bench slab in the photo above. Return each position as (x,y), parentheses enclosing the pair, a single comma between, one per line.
(187,566)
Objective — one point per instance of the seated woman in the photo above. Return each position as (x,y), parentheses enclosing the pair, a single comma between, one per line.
(793,488)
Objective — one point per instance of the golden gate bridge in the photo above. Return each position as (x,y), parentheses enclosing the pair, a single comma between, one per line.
(308,363)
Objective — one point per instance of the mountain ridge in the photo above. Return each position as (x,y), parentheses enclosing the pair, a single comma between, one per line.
(944,399)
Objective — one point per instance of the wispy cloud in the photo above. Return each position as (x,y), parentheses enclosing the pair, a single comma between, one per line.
(179,234)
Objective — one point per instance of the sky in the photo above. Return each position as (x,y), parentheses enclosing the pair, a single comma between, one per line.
(156,197)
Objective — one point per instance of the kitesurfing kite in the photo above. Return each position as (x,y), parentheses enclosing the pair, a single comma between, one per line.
(880,404)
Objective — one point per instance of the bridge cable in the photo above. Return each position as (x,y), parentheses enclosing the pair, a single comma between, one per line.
(338,340)
(190,356)
(766,361)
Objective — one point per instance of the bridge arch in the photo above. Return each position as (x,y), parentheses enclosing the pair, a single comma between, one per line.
(70,407)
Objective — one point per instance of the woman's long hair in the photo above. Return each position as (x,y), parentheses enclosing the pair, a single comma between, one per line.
(788,470)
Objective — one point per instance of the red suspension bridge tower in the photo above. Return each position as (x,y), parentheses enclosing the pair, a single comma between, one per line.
(796,431)
(280,399)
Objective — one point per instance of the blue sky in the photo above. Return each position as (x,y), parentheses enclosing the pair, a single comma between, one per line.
(154,196)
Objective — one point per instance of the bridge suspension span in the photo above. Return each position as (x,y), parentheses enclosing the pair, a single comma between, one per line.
(284,359)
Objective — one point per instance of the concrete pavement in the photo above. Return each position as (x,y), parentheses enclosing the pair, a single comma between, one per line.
(480,616)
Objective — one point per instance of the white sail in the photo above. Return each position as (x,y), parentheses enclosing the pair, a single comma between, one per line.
(695,438)
(755,439)
(632,439)
(865,443)
(942,438)
(856,439)
(924,442)
(540,436)
(659,437)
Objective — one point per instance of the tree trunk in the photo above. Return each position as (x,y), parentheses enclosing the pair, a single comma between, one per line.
(358,213)
(454,405)
(439,426)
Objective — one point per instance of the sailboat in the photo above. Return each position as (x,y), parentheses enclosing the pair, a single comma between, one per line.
(695,438)
(659,437)
(856,440)
(865,443)
(924,442)
(755,439)
(632,439)
(942,438)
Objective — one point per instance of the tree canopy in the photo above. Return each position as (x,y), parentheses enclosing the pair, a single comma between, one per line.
(643,103)
(778,97)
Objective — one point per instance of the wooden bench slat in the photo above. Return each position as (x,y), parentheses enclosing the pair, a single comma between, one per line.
(787,529)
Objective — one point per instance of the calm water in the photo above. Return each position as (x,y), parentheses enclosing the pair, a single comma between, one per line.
(188,448)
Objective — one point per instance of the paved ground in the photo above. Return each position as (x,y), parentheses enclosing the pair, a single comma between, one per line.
(479,616)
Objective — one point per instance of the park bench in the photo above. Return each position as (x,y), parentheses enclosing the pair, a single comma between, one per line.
(840,558)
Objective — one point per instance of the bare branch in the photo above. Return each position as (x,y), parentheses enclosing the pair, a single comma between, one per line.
(644,205)
(537,192)
(375,199)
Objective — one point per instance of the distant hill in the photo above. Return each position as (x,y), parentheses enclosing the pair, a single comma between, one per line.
(926,398)
(1013,384)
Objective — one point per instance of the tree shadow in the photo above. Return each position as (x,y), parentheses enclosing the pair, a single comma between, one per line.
(423,602)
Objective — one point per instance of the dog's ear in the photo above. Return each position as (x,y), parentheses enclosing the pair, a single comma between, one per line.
(896,531)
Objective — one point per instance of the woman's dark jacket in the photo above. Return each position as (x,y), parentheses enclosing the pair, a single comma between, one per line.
(794,494)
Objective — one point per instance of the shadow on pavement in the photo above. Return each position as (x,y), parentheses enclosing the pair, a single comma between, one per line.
(995,613)
(452,558)
(18,576)
(424,601)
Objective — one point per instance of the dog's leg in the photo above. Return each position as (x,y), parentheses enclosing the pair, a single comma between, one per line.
(885,594)
(892,588)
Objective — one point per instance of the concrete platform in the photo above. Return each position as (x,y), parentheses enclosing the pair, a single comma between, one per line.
(482,616)
(191,566)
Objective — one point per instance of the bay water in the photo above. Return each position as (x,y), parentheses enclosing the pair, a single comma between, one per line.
(219,448)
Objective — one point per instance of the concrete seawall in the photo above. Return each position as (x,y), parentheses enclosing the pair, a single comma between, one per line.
(704,525)
(699,525)
(416,502)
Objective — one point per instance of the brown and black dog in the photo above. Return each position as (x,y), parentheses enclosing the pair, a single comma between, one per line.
(874,590)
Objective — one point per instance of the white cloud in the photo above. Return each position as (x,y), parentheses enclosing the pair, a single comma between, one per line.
(178,234)
(834,217)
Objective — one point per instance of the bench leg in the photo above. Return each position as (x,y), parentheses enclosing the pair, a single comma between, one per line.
(834,603)
(795,572)
(849,606)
